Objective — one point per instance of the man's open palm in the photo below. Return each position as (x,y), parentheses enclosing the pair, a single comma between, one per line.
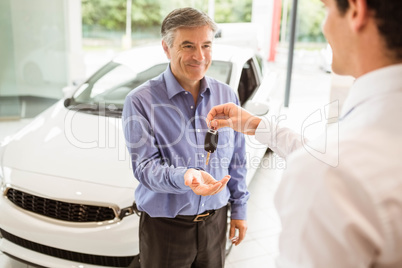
(202,183)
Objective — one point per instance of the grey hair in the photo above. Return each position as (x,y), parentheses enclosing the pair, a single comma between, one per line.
(184,17)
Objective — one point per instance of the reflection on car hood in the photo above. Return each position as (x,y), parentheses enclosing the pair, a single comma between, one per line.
(70,144)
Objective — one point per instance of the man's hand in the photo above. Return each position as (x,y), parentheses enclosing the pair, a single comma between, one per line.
(233,116)
(202,183)
(241,225)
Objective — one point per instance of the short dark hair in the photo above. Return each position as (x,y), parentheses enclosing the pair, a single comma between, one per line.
(184,17)
(388,14)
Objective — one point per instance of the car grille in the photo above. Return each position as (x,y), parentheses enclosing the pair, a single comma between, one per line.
(60,210)
(70,255)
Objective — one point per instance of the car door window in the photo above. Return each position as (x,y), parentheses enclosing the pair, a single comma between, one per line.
(220,70)
(249,81)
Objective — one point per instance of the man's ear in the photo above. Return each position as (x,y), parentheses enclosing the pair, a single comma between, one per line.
(166,49)
(358,14)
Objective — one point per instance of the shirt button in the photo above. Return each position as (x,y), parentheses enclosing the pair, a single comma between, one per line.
(192,107)
(186,92)
(198,130)
(202,205)
(202,155)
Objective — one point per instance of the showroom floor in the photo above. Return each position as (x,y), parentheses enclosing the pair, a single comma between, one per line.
(310,93)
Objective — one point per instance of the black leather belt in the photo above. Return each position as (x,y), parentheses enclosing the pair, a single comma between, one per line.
(196,218)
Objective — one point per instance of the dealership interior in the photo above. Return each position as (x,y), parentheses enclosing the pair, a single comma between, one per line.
(43,56)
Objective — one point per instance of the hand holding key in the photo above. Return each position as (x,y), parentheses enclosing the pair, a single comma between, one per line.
(233,116)
(211,142)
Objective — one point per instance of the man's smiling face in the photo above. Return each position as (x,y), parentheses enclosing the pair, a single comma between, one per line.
(191,53)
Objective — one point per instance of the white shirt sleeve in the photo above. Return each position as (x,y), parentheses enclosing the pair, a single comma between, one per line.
(281,140)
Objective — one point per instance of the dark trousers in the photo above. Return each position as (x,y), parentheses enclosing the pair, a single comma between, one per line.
(182,243)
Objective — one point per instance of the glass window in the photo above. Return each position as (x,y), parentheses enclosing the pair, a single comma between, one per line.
(111,84)
(248,81)
(220,70)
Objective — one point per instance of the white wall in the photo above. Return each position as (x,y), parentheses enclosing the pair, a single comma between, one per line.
(42,41)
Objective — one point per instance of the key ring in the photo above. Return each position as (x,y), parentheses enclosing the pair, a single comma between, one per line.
(210,127)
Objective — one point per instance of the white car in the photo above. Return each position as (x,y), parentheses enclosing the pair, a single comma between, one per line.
(66,180)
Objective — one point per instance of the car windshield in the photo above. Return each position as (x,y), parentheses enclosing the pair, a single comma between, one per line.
(109,86)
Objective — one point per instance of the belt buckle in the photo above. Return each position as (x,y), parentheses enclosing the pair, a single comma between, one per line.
(201,217)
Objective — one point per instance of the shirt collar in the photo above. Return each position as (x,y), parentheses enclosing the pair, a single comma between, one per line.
(381,81)
(173,87)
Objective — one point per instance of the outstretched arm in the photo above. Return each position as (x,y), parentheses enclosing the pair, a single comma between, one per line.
(281,140)
(233,116)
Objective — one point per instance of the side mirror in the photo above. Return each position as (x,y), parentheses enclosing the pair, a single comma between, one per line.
(67,102)
(259,108)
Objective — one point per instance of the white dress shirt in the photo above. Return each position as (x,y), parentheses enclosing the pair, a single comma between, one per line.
(341,207)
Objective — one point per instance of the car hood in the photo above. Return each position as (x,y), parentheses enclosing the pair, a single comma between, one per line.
(72,145)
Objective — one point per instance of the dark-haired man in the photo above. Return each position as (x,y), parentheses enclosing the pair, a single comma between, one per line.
(343,209)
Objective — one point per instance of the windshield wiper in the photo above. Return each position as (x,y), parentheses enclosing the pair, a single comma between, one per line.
(99,109)
(117,112)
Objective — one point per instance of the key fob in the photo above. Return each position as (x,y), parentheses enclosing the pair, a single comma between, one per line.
(211,141)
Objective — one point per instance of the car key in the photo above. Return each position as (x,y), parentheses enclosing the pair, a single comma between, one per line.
(211,142)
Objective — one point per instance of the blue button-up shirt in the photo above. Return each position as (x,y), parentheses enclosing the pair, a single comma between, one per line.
(165,132)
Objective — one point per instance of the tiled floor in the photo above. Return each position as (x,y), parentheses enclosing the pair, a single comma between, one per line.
(310,93)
